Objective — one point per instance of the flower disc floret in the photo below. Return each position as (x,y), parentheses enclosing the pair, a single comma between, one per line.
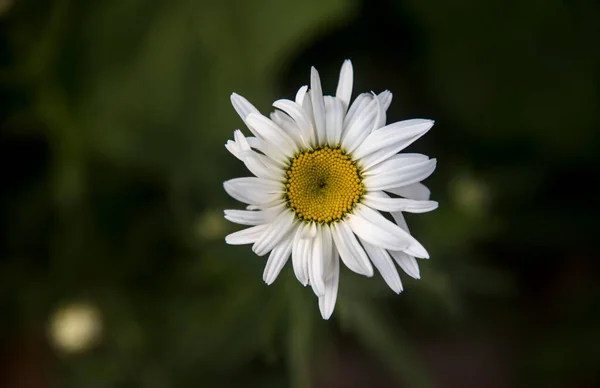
(323,184)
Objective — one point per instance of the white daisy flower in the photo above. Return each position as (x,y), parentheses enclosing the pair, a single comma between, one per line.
(324,171)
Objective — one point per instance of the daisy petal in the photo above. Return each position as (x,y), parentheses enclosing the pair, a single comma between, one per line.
(400,220)
(414,191)
(258,164)
(344,88)
(254,142)
(380,117)
(246,236)
(272,133)
(254,191)
(328,252)
(242,106)
(360,127)
(402,177)
(408,263)
(267,160)
(396,162)
(334,118)
(278,229)
(246,217)
(372,227)
(399,204)
(385,98)
(254,184)
(254,162)
(277,259)
(397,136)
(233,148)
(300,254)
(398,216)
(272,155)
(290,127)
(278,201)
(297,114)
(327,302)
(351,253)
(384,264)
(300,95)
(359,104)
(318,105)
(316,265)
(308,110)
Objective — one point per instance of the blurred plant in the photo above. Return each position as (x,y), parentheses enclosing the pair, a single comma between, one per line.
(113,121)
(74,328)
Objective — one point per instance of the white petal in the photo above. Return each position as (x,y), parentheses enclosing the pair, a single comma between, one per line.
(360,128)
(318,105)
(395,163)
(277,259)
(268,205)
(255,163)
(254,191)
(278,230)
(298,114)
(372,227)
(334,116)
(316,265)
(399,204)
(270,163)
(384,264)
(344,88)
(246,236)
(242,106)
(385,98)
(328,252)
(272,133)
(398,216)
(402,177)
(233,148)
(290,127)
(352,254)
(308,110)
(256,143)
(327,302)
(300,254)
(400,220)
(300,95)
(239,145)
(246,217)
(397,136)
(272,155)
(380,117)
(359,104)
(414,191)
(258,164)
(408,263)
(254,184)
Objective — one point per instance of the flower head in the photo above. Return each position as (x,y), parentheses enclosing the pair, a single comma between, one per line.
(324,171)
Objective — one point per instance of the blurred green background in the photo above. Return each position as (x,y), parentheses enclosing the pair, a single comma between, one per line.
(113,266)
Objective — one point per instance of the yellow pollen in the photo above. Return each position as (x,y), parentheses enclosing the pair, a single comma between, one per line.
(323,185)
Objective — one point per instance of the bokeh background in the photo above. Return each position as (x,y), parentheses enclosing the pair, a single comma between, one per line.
(113,266)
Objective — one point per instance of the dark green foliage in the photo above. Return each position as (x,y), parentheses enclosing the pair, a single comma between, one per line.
(113,117)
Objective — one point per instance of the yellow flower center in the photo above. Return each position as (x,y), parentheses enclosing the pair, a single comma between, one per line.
(323,185)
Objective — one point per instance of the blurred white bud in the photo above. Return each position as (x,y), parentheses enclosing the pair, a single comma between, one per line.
(5,6)
(211,225)
(470,194)
(74,328)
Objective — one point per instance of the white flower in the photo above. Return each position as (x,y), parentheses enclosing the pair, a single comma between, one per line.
(323,173)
